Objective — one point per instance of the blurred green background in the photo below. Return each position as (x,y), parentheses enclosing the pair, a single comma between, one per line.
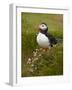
(50,62)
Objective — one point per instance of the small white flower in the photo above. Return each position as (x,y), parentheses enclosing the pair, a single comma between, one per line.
(34,54)
(35,58)
(37,50)
(39,55)
(29,61)
(32,65)
(35,68)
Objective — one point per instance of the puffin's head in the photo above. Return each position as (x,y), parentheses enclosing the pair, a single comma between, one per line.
(43,28)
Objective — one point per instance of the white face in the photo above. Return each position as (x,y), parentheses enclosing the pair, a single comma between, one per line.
(42,27)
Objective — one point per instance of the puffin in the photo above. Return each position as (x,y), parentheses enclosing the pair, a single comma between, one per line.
(44,38)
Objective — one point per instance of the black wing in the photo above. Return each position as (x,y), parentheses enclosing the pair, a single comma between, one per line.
(51,38)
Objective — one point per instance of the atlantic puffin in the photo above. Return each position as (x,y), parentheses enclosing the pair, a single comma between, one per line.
(44,38)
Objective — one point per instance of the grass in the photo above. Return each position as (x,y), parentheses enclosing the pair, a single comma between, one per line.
(50,62)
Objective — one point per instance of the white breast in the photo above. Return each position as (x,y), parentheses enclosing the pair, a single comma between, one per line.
(43,41)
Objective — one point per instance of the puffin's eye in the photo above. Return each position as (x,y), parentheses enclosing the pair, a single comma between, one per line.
(42,25)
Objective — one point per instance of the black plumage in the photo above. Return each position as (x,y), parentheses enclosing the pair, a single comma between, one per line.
(51,38)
